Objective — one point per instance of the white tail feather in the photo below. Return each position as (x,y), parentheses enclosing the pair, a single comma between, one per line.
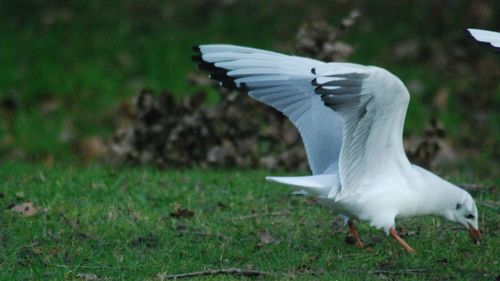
(319,185)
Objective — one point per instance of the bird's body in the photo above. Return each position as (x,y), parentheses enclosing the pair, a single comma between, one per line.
(351,119)
(386,196)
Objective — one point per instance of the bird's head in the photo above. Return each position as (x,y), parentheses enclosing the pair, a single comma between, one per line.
(452,202)
(464,212)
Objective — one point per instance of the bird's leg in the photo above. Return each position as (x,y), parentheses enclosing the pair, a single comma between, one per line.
(355,234)
(407,247)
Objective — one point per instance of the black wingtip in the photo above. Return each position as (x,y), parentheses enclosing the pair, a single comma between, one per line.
(197,58)
(216,73)
(205,66)
(317,90)
(486,44)
(219,76)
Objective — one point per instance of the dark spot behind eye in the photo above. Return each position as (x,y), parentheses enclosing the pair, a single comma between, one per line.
(469,216)
(459,206)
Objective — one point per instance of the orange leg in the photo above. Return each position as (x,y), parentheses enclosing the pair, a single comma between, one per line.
(355,234)
(407,247)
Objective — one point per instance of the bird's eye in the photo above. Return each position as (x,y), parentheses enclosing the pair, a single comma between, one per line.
(469,216)
(459,206)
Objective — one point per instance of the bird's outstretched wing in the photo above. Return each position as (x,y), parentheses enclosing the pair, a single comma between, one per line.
(359,131)
(283,82)
(486,36)
(372,104)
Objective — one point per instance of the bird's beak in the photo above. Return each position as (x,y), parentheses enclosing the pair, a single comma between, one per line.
(474,233)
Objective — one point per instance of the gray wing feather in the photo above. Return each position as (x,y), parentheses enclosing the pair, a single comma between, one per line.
(372,104)
(486,36)
(283,82)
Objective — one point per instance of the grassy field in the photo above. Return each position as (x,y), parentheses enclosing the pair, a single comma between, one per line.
(143,224)
(72,63)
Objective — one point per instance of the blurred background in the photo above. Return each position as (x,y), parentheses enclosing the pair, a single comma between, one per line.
(113,81)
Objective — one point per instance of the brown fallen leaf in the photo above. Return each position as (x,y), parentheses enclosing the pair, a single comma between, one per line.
(26,209)
(265,239)
(403,232)
(179,212)
(48,161)
(441,98)
(148,241)
(124,115)
(432,147)
(49,105)
(135,214)
(93,148)
(319,39)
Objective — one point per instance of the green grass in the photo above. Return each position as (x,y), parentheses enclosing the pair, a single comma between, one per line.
(115,222)
(86,57)
(89,56)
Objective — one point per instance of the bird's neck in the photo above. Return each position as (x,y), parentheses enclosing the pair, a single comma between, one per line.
(437,195)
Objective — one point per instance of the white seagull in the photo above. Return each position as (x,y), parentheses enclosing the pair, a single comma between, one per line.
(350,118)
(486,36)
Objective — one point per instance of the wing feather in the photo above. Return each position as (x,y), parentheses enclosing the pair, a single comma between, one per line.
(283,82)
(486,36)
(372,104)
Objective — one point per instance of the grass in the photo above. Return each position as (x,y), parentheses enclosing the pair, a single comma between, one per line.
(116,222)
(76,61)
(89,56)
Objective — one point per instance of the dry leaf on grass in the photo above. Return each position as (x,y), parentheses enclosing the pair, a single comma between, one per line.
(319,39)
(403,232)
(149,241)
(179,212)
(93,148)
(441,98)
(432,148)
(49,105)
(26,209)
(265,239)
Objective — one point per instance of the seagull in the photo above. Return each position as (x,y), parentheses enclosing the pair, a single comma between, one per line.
(350,118)
(486,36)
